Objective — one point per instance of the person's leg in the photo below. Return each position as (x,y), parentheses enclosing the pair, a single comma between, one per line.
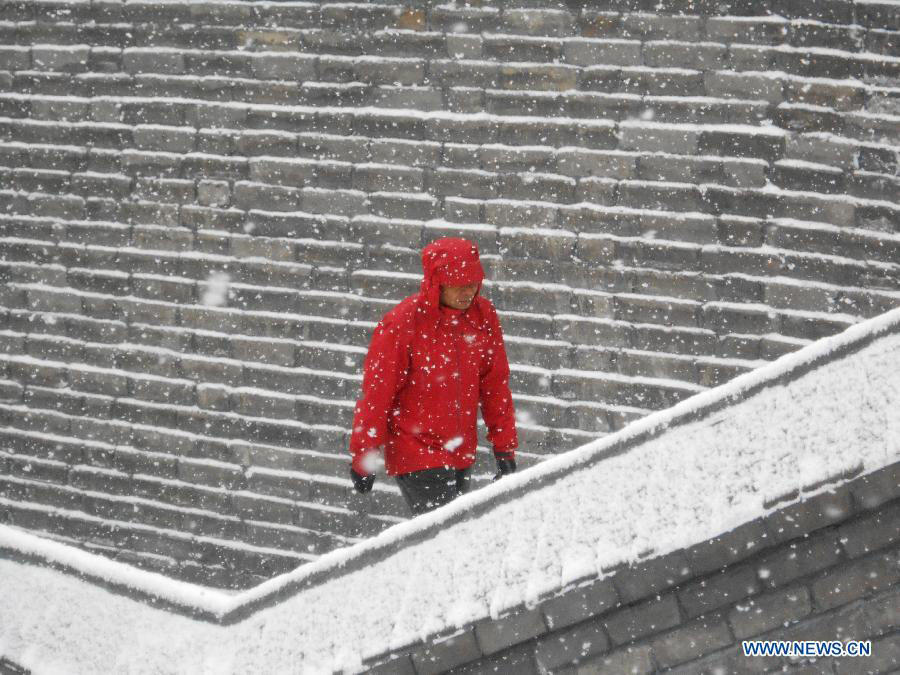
(462,480)
(428,489)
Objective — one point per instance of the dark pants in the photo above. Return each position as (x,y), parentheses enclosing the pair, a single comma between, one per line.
(430,488)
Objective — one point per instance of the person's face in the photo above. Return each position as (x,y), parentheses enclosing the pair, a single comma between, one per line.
(458,297)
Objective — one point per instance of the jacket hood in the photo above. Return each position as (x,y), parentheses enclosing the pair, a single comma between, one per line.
(449,261)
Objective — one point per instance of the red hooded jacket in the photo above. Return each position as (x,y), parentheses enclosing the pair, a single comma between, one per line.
(427,370)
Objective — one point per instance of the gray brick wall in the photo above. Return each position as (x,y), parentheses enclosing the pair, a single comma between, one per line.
(832,578)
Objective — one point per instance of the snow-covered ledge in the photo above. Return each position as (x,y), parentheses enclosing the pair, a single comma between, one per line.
(670,480)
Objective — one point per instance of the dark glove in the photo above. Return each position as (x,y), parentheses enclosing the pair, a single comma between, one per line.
(505,466)
(362,483)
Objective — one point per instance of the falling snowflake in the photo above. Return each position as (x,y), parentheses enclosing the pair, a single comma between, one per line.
(217,289)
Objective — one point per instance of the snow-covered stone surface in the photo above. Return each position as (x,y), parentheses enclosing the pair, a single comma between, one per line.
(667,481)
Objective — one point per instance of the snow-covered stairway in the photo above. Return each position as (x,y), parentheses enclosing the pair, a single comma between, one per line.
(204,208)
(767,508)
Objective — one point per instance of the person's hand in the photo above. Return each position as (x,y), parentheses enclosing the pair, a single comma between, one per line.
(505,466)
(362,483)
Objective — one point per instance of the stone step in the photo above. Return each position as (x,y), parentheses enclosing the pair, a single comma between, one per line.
(81,492)
(119,464)
(46,402)
(258,390)
(34,506)
(365,283)
(639,308)
(544,199)
(251,414)
(130,123)
(506,201)
(482,34)
(546,19)
(327,158)
(676,95)
(737,234)
(215,576)
(156,350)
(182,473)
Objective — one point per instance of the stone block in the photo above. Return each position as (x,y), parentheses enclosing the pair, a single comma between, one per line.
(580,603)
(691,641)
(141,60)
(410,206)
(810,514)
(214,193)
(578,162)
(650,577)
(275,66)
(590,52)
(494,635)
(381,178)
(697,55)
(657,138)
(528,243)
(646,618)
(769,147)
(503,213)
(745,86)
(872,532)
(571,645)
(859,578)
(531,21)
(101,382)
(60,58)
(464,46)
(765,612)
(634,659)
(876,488)
(249,196)
(725,588)
(439,656)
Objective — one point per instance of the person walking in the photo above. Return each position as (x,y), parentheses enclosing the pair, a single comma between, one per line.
(432,360)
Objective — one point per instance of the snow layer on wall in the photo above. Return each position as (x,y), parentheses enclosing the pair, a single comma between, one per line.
(686,485)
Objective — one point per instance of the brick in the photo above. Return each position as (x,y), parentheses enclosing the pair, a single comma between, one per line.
(584,52)
(506,214)
(691,641)
(496,634)
(702,56)
(570,646)
(251,506)
(437,657)
(152,61)
(531,21)
(722,589)
(271,66)
(857,579)
(580,603)
(578,162)
(770,610)
(810,514)
(634,660)
(464,46)
(884,659)
(872,532)
(643,619)
(649,138)
(651,576)
(399,665)
(876,488)
(522,243)
(266,197)
(745,86)
(800,558)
